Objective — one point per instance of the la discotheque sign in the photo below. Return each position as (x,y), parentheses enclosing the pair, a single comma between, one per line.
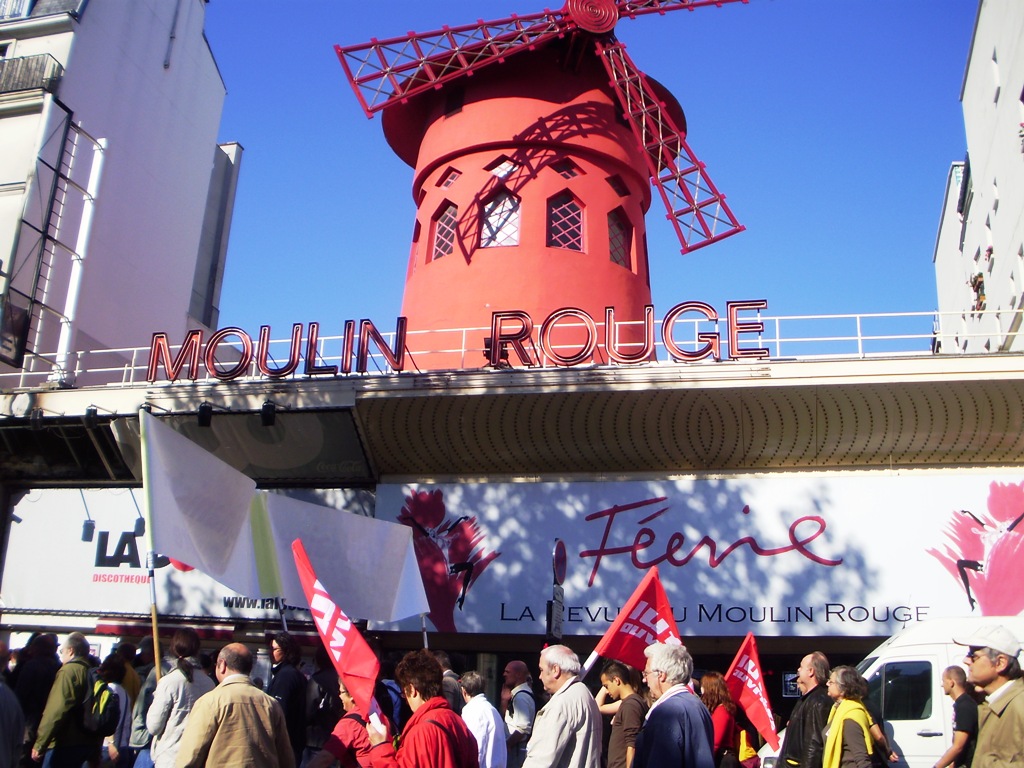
(512,332)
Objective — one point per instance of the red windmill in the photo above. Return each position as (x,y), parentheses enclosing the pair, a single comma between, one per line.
(533,139)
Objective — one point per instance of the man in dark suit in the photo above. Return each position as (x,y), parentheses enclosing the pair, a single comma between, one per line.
(678,728)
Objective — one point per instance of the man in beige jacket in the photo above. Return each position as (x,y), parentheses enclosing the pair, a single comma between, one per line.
(236,723)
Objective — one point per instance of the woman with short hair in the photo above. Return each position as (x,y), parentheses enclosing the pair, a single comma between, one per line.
(848,742)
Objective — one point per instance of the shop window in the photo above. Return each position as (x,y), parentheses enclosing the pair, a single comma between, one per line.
(500,221)
(444,231)
(565,222)
(620,237)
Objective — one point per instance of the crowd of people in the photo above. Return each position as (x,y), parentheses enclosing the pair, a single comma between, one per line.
(194,710)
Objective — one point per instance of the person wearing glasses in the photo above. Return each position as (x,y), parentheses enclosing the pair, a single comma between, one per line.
(993,665)
(567,731)
(348,743)
(848,742)
(434,735)
(677,730)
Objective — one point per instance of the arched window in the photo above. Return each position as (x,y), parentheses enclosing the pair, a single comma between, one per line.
(500,221)
(444,231)
(565,222)
(620,237)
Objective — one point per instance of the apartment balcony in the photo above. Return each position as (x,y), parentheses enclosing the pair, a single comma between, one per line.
(29,73)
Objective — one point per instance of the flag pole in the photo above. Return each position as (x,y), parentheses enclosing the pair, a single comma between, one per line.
(589,664)
(151,554)
(423,624)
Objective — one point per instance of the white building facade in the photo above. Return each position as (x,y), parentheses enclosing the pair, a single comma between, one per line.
(979,253)
(115,198)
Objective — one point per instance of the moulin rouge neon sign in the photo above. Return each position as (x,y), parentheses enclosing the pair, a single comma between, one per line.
(511,332)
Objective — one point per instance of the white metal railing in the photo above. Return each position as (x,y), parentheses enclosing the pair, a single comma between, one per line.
(786,337)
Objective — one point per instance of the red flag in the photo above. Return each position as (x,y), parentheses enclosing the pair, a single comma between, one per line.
(746,686)
(355,661)
(645,618)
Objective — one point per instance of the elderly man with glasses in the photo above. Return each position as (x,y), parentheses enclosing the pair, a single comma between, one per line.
(994,666)
(677,729)
(567,731)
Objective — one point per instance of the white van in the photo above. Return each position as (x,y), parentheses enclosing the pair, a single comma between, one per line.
(904,677)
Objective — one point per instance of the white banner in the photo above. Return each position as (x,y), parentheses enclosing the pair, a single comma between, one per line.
(794,554)
(55,563)
(205,513)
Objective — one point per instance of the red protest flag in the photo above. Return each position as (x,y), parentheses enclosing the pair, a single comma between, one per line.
(645,618)
(355,661)
(746,686)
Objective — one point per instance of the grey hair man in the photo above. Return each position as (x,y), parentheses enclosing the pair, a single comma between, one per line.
(994,666)
(59,730)
(567,731)
(803,746)
(678,729)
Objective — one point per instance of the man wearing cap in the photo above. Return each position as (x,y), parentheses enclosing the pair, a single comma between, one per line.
(993,665)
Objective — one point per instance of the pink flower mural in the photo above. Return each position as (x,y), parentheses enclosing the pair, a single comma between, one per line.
(451,554)
(984,551)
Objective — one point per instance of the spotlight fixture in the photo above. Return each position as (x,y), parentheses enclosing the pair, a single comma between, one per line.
(90,417)
(140,521)
(205,414)
(88,525)
(268,413)
(36,419)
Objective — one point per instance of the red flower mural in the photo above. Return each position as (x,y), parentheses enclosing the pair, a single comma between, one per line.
(984,552)
(451,554)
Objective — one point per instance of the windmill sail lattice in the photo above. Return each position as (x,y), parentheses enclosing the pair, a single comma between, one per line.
(385,72)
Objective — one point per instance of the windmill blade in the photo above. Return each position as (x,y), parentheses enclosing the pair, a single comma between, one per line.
(696,208)
(634,8)
(385,71)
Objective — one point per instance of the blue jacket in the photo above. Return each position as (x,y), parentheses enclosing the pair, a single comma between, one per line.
(678,732)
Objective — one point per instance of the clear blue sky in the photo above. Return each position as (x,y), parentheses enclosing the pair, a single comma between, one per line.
(829,124)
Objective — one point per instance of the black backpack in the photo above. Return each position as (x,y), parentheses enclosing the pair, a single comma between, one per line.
(329,708)
(512,702)
(101,710)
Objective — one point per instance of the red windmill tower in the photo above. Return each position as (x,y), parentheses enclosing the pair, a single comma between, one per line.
(535,142)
